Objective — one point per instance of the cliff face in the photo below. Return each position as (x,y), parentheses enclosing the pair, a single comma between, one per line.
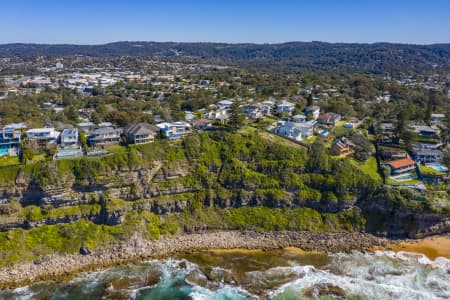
(160,191)
(225,171)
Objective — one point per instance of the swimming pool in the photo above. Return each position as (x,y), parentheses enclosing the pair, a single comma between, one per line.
(439,167)
(4,152)
(323,132)
(404,177)
(67,153)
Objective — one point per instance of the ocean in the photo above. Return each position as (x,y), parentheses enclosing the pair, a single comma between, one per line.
(283,274)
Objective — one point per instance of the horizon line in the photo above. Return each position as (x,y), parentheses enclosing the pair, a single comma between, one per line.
(216,42)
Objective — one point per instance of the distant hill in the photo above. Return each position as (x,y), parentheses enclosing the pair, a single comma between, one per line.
(289,57)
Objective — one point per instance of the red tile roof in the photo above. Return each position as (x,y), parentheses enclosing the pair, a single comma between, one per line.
(401,163)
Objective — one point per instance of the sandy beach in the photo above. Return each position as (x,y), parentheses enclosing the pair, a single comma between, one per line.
(432,247)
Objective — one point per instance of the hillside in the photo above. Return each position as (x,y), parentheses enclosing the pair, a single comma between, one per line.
(287,57)
(211,181)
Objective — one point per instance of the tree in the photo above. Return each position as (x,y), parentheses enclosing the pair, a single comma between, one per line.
(310,100)
(428,112)
(236,115)
(318,159)
(408,137)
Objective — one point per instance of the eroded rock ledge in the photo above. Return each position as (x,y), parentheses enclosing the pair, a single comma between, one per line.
(62,267)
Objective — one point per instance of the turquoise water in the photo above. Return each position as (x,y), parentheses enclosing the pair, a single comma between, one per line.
(439,168)
(277,275)
(404,177)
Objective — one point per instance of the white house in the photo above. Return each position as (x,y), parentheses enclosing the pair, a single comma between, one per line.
(299,118)
(285,107)
(175,130)
(313,111)
(296,131)
(48,135)
(69,137)
(437,118)
(225,104)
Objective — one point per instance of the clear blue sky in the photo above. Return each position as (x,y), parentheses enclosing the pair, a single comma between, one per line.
(258,21)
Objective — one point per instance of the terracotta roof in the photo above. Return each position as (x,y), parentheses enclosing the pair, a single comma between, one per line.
(401,163)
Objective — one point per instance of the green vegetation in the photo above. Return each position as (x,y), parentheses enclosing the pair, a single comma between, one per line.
(17,245)
(429,171)
(8,161)
(369,167)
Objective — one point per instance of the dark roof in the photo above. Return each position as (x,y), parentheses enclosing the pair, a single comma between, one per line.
(105,130)
(141,128)
(343,142)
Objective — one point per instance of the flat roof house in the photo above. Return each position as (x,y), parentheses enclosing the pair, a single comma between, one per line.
(437,118)
(225,104)
(86,126)
(427,155)
(402,165)
(43,135)
(175,130)
(69,138)
(141,133)
(299,118)
(104,136)
(285,107)
(313,111)
(10,141)
(386,127)
(295,131)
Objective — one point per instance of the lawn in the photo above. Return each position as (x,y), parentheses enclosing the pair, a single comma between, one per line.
(369,167)
(340,130)
(406,182)
(429,171)
(271,137)
(9,161)
(116,149)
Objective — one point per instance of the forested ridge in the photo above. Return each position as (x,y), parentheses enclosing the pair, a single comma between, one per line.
(287,57)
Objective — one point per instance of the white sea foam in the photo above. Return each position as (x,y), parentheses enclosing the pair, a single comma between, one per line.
(385,275)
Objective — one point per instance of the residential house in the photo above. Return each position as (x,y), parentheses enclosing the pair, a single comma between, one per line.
(17,126)
(104,136)
(295,131)
(219,115)
(141,133)
(425,131)
(69,145)
(387,133)
(43,136)
(386,128)
(175,130)
(86,126)
(437,118)
(69,138)
(10,141)
(392,153)
(312,111)
(424,155)
(329,118)
(105,124)
(285,107)
(402,165)
(189,116)
(253,111)
(225,104)
(202,124)
(299,118)
(342,147)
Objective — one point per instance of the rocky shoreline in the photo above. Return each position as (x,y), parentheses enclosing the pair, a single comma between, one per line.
(59,267)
